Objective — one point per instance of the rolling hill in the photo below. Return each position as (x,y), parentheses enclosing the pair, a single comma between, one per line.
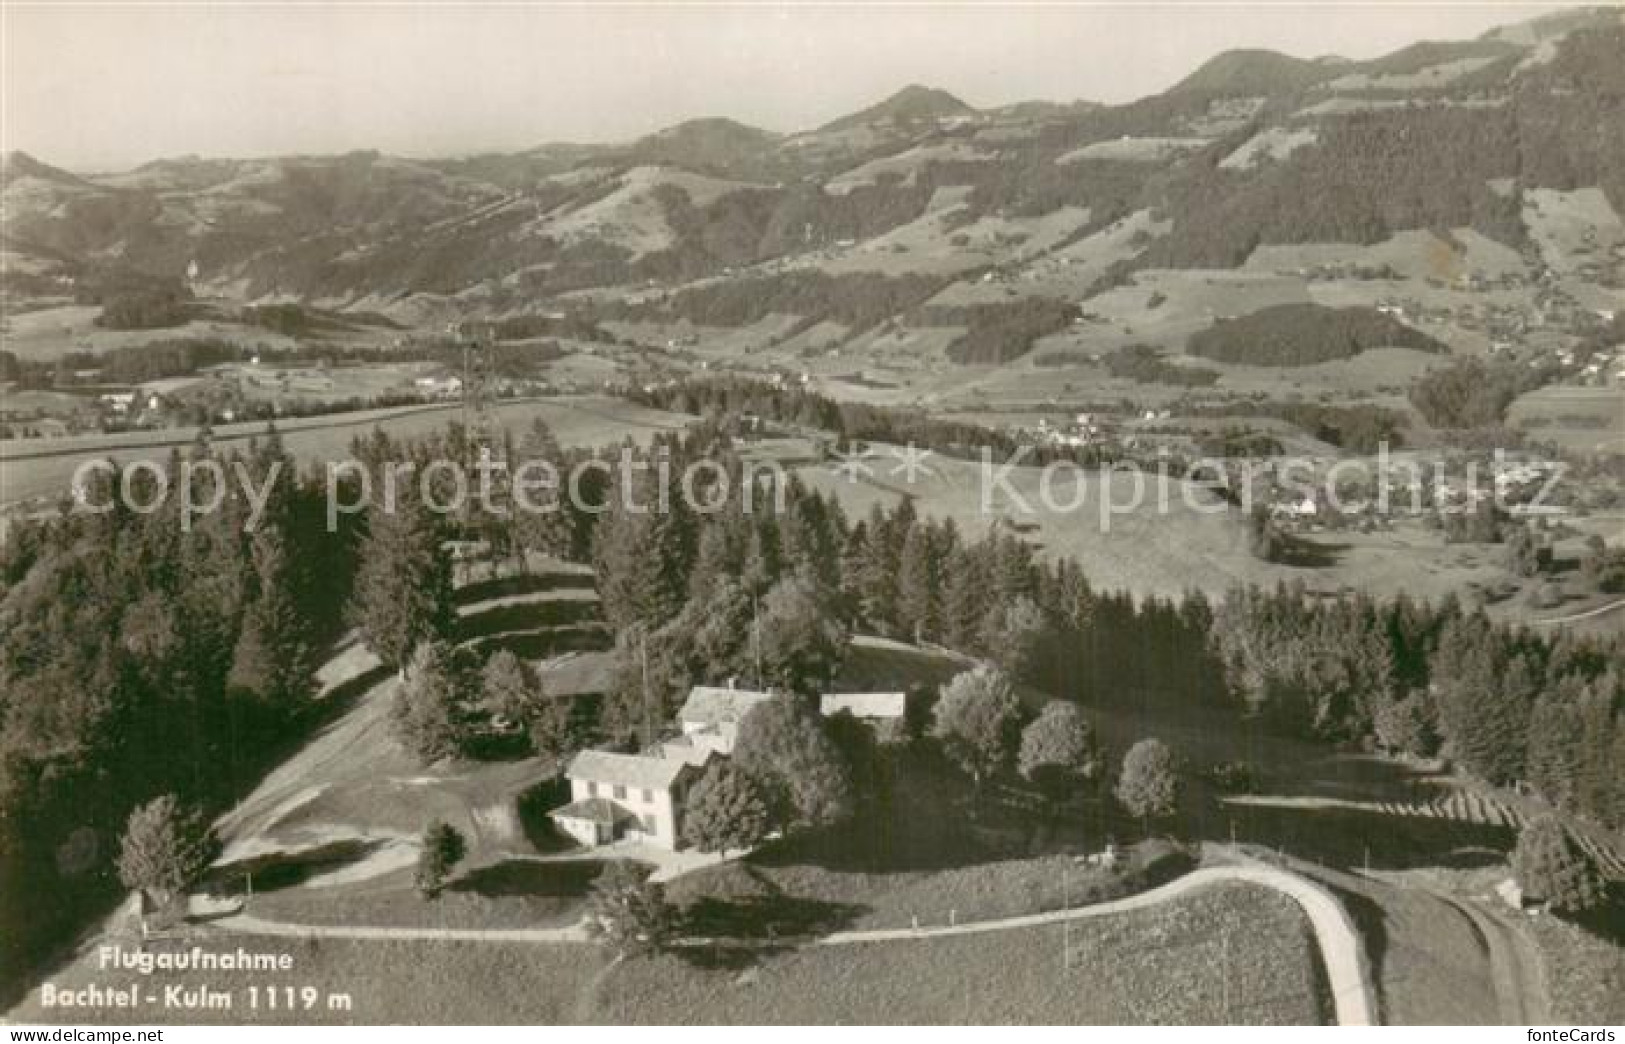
(1252,150)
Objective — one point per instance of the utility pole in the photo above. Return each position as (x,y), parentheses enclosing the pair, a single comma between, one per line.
(648,705)
(756,637)
(1066,917)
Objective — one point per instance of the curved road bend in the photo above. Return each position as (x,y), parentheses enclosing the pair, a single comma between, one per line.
(1353,996)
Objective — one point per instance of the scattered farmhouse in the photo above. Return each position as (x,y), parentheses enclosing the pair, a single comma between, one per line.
(640,797)
(710,716)
(872,708)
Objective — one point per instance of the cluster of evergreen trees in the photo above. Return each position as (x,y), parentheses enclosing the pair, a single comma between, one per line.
(140,656)
(723,397)
(769,593)
(1305,334)
(124,634)
(1505,704)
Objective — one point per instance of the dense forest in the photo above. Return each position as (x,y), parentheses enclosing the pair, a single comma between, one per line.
(1305,334)
(142,654)
(1145,365)
(1472,393)
(857,301)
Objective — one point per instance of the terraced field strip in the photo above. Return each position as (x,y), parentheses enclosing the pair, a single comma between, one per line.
(1461,806)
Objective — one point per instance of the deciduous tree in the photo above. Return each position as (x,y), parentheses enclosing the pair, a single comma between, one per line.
(627,913)
(725,810)
(1148,786)
(1058,749)
(783,747)
(164,848)
(1555,870)
(978,721)
(441,849)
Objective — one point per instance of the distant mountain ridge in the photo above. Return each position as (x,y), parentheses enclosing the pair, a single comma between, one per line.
(1252,148)
(912,104)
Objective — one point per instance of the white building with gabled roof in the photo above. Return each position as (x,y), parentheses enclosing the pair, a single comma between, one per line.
(874,708)
(636,797)
(711,715)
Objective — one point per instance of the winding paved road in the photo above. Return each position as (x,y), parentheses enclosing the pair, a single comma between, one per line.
(1353,997)
(1575,617)
(248,924)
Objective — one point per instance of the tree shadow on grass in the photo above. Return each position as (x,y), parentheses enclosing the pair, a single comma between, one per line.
(1608,920)
(1372,925)
(1349,838)
(742,930)
(279,870)
(533,583)
(561,879)
(526,616)
(1301,553)
(540,644)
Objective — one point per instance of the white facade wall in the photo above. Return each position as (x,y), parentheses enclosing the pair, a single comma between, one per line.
(654,808)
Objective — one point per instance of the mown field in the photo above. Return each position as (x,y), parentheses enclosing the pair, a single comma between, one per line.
(1231,954)
(1579,419)
(1585,974)
(1129,531)
(49,333)
(44,467)
(388,982)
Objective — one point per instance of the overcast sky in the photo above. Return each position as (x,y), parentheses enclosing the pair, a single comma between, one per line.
(113,85)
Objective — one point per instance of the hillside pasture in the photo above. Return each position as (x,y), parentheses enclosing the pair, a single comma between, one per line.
(1574,228)
(1128,149)
(331,835)
(1196,543)
(1414,255)
(1230,954)
(48,333)
(389,982)
(906,165)
(1580,419)
(938,243)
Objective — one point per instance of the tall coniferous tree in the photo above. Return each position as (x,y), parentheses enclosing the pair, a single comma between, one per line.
(918,586)
(403,593)
(273,660)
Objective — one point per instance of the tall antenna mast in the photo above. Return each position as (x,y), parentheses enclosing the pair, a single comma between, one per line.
(480,424)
